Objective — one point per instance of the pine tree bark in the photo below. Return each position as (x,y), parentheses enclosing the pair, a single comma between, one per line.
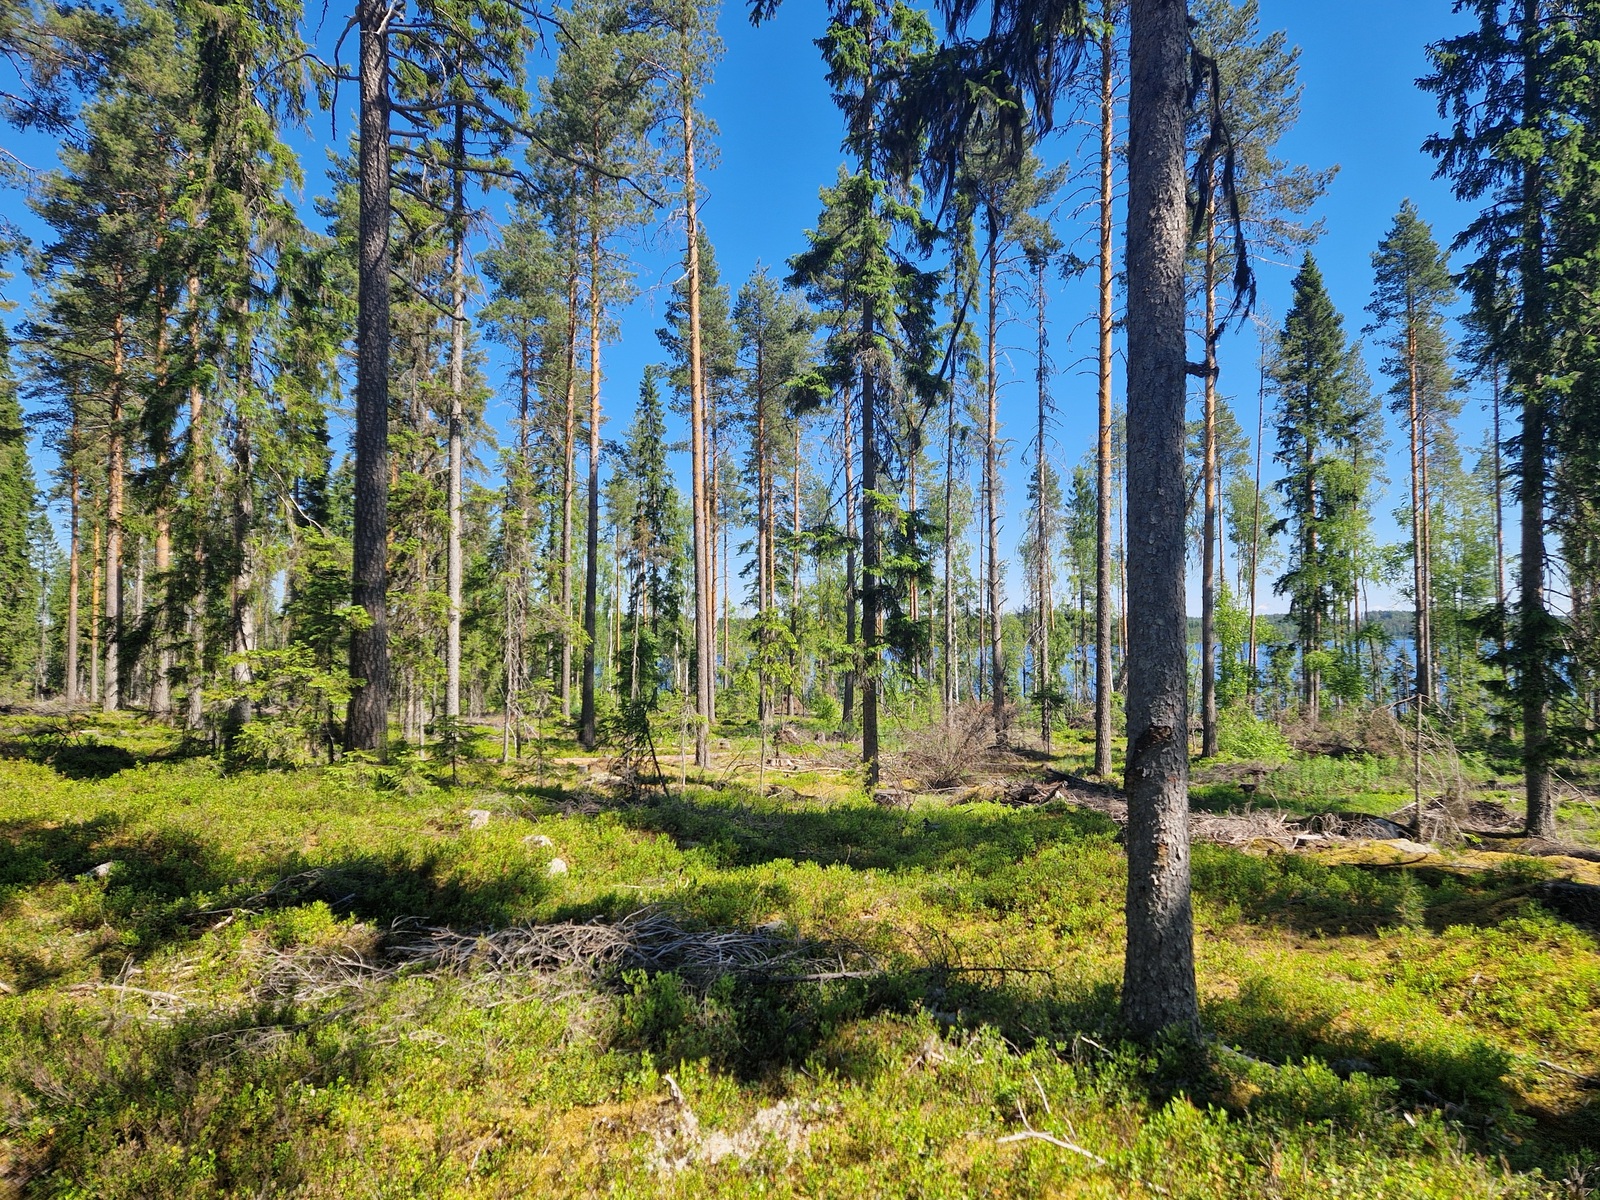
(458,383)
(569,477)
(991,482)
(194,699)
(851,594)
(1208,537)
(1419,551)
(1255,520)
(1046,681)
(949,664)
(1158,990)
(241,595)
(369,645)
(704,591)
(74,571)
(588,734)
(870,628)
(1104,685)
(116,479)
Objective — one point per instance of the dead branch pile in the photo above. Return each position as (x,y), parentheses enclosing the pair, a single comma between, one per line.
(945,755)
(650,939)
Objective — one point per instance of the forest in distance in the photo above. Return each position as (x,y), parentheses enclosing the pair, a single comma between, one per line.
(496,770)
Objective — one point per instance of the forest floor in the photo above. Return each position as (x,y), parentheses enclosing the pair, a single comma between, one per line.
(543,979)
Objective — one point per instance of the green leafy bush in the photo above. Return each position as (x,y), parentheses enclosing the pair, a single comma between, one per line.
(1243,735)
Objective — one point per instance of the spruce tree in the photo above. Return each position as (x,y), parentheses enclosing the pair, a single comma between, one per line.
(19,510)
(1328,438)
(1517,90)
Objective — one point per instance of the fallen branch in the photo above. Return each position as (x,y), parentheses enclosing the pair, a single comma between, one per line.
(1036,1135)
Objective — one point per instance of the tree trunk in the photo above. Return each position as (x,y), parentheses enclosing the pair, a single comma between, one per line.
(704,600)
(991,484)
(74,570)
(1255,518)
(1158,990)
(588,735)
(763,531)
(242,590)
(869,554)
(1208,537)
(116,467)
(949,556)
(569,480)
(1104,685)
(794,579)
(850,597)
(1045,678)
(95,623)
(458,385)
(1534,652)
(369,644)
(1419,584)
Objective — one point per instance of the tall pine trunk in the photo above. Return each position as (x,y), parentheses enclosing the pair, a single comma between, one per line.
(1158,988)
(369,644)
(704,591)
(458,383)
(74,555)
(1209,539)
(1104,685)
(1046,681)
(991,482)
(588,735)
(850,593)
(869,552)
(950,684)
(116,480)
(569,476)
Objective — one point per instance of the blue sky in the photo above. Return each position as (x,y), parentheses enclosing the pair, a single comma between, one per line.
(779,144)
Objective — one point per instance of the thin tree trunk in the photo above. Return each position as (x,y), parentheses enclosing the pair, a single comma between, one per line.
(458,385)
(1158,990)
(1533,649)
(569,480)
(369,643)
(704,600)
(95,623)
(849,568)
(1208,536)
(588,735)
(869,555)
(74,570)
(194,699)
(242,591)
(1255,517)
(991,484)
(794,578)
(949,556)
(1419,583)
(1045,677)
(1104,684)
(116,478)
(763,530)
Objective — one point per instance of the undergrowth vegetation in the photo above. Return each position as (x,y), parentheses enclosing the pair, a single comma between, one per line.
(200,995)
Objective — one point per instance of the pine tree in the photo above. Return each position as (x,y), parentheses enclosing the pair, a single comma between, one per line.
(774,345)
(1412,288)
(598,110)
